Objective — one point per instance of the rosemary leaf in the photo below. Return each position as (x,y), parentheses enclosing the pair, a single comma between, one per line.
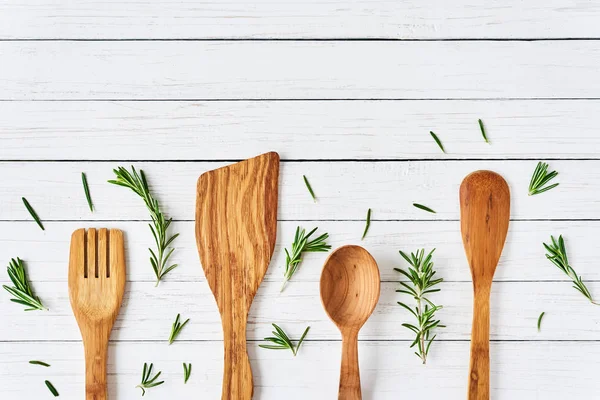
(52,389)
(367,225)
(310,190)
(541,177)
(300,245)
(539,324)
(160,225)
(148,382)
(483,131)
(22,291)
(187,371)
(36,362)
(176,329)
(438,141)
(86,189)
(282,341)
(33,213)
(424,208)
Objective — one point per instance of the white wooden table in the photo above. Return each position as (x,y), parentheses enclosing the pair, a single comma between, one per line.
(346,92)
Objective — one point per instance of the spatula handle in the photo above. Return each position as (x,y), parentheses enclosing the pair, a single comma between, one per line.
(95,369)
(237,377)
(350,374)
(479,371)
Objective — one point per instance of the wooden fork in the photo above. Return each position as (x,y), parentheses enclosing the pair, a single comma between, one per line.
(96,287)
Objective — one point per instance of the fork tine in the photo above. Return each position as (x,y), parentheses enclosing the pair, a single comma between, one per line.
(77,263)
(103,253)
(92,253)
(117,255)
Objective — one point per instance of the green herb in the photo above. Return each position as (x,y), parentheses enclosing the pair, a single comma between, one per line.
(557,253)
(424,208)
(148,382)
(367,225)
(300,245)
(33,213)
(282,341)
(540,177)
(420,275)
(177,327)
(21,291)
(160,225)
(86,189)
(35,362)
(483,131)
(51,388)
(310,190)
(187,371)
(437,140)
(540,320)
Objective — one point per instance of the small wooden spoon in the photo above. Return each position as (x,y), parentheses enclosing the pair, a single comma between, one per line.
(349,293)
(484,217)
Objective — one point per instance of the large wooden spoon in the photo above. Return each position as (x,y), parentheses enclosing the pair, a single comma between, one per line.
(236,225)
(349,293)
(484,216)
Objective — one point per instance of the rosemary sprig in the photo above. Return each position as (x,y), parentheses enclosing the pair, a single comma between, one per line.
(540,177)
(51,388)
(310,190)
(539,324)
(187,371)
(483,131)
(300,245)
(148,382)
(557,253)
(36,362)
(367,225)
(33,213)
(438,141)
(282,340)
(160,225)
(421,283)
(21,291)
(86,189)
(177,327)
(424,208)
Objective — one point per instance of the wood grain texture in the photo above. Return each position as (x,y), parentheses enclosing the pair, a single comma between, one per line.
(236,229)
(228,70)
(484,218)
(350,290)
(96,288)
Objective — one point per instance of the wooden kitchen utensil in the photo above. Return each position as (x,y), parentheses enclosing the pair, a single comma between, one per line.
(96,287)
(349,292)
(236,225)
(484,217)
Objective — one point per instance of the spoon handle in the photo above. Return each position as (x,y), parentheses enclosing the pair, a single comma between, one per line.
(350,374)
(479,371)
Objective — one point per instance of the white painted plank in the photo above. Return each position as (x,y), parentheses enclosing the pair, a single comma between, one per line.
(46,253)
(309,129)
(519,371)
(298,70)
(345,190)
(148,312)
(428,19)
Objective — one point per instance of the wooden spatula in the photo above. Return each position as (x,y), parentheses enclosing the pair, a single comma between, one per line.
(484,217)
(236,225)
(96,287)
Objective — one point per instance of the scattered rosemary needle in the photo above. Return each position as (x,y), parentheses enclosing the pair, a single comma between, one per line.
(187,371)
(310,190)
(86,189)
(539,324)
(148,382)
(421,282)
(36,362)
(540,177)
(33,213)
(160,225)
(176,329)
(52,389)
(483,131)
(438,141)
(282,341)
(367,225)
(424,208)
(21,291)
(557,253)
(300,245)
